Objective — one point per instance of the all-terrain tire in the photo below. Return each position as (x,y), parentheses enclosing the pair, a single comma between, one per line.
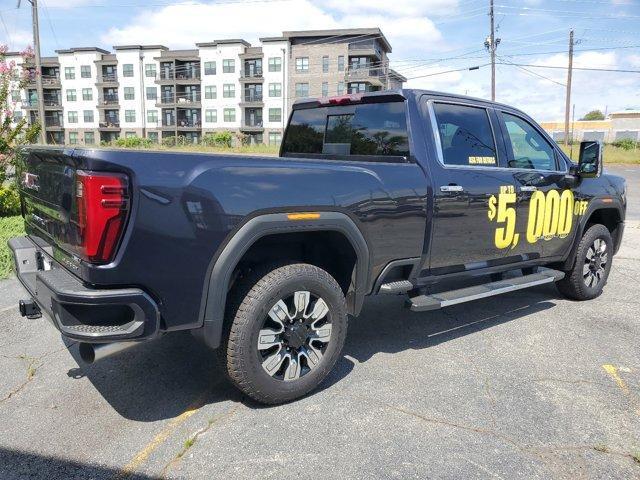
(249,305)
(575,285)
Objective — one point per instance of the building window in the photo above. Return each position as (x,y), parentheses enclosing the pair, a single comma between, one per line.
(152,116)
(275,138)
(229,114)
(340,90)
(325,89)
(69,73)
(130,134)
(152,93)
(325,64)
(228,65)
(85,71)
(88,116)
(229,90)
(149,69)
(275,114)
(153,136)
(275,64)
(17,116)
(302,90)
(210,92)
(15,96)
(87,94)
(127,70)
(341,63)
(357,87)
(72,117)
(275,89)
(209,68)
(73,138)
(129,93)
(302,64)
(71,95)
(89,138)
(129,116)
(211,116)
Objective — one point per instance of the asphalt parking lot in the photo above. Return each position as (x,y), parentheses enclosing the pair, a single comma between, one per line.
(528,385)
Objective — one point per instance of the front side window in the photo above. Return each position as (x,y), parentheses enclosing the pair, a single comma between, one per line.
(275,64)
(209,68)
(85,71)
(302,64)
(526,147)
(466,137)
(127,70)
(376,129)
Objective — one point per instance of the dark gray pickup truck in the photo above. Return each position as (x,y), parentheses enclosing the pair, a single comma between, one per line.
(441,198)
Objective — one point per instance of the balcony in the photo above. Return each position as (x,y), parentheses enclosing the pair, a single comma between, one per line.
(249,75)
(108,78)
(168,123)
(108,100)
(187,123)
(109,124)
(53,122)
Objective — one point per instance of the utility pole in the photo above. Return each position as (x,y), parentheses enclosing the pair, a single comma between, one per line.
(38,65)
(567,107)
(491,44)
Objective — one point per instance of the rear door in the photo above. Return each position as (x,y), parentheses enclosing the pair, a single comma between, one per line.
(474,198)
(545,201)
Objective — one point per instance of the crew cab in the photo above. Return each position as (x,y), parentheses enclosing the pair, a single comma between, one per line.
(441,198)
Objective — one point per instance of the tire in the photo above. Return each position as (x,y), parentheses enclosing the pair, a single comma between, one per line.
(263,308)
(586,280)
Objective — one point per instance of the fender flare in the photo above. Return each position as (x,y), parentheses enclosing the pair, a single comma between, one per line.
(219,278)
(594,206)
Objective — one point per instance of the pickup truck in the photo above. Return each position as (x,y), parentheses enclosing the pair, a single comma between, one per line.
(441,198)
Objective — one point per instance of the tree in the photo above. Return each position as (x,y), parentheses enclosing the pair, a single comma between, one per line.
(593,115)
(13,134)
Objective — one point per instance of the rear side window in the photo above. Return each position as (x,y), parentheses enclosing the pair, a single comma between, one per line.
(526,147)
(366,130)
(466,137)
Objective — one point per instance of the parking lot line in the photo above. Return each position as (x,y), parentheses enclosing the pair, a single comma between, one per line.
(158,440)
(613,373)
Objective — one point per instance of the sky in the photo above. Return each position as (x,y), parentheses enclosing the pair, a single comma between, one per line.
(428,37)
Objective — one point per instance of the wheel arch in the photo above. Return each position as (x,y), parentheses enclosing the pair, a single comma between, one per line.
(220,279)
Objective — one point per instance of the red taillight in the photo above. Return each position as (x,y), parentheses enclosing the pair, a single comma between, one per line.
(341,100)
(103,203)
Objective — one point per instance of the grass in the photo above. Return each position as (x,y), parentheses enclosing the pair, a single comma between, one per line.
(9,227)
(611,154)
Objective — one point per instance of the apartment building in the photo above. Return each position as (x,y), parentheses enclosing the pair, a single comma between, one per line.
(92,95)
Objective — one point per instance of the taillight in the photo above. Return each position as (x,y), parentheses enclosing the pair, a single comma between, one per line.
(103,203)
(341,100)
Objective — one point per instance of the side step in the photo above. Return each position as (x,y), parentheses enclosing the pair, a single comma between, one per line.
(401,286)
(424,303)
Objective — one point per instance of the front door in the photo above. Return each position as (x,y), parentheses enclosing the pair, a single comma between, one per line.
(474,194)
(546,207)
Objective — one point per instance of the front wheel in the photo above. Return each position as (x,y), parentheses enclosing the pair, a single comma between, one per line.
(288,326)
(591,269)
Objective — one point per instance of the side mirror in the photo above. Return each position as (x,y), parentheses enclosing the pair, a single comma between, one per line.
(590,160)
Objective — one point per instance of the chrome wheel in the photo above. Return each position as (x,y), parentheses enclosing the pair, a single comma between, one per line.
(294,336)
(595,263)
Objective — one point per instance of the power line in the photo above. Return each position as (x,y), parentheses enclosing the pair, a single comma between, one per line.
(46,12)
(618,70)
(530,72)
(6,29)
(475,67)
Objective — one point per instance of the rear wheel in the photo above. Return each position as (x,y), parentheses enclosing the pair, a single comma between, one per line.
(286,332)
(591,269)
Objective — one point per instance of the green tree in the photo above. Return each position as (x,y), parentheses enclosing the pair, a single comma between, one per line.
(593,115)
(13,133)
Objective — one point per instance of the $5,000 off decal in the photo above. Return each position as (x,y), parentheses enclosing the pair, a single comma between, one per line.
(550,215)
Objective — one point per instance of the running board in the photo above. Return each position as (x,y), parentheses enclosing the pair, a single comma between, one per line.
(401,286)
(424,303)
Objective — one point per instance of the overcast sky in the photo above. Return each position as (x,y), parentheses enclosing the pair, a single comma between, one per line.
(427,36)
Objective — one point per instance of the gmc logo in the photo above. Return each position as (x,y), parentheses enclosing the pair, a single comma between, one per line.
(31,181)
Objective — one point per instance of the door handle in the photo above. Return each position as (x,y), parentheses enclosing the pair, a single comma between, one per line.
(451,188)
(528,188)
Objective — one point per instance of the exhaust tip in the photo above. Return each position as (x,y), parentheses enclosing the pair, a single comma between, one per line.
(87,353)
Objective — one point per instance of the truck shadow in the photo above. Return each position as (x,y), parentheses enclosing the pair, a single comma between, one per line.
(162,379)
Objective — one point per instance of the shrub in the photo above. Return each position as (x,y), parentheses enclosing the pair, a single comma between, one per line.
(218,139)
(169,142)
(133,142)
(9,201)
(625,144)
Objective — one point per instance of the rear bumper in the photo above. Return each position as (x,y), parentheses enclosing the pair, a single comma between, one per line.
(79,312)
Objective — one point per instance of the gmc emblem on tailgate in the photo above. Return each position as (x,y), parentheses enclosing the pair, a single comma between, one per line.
(31,181)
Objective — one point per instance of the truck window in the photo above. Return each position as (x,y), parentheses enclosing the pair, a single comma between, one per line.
(466,137)
(526,147)
(365,130)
